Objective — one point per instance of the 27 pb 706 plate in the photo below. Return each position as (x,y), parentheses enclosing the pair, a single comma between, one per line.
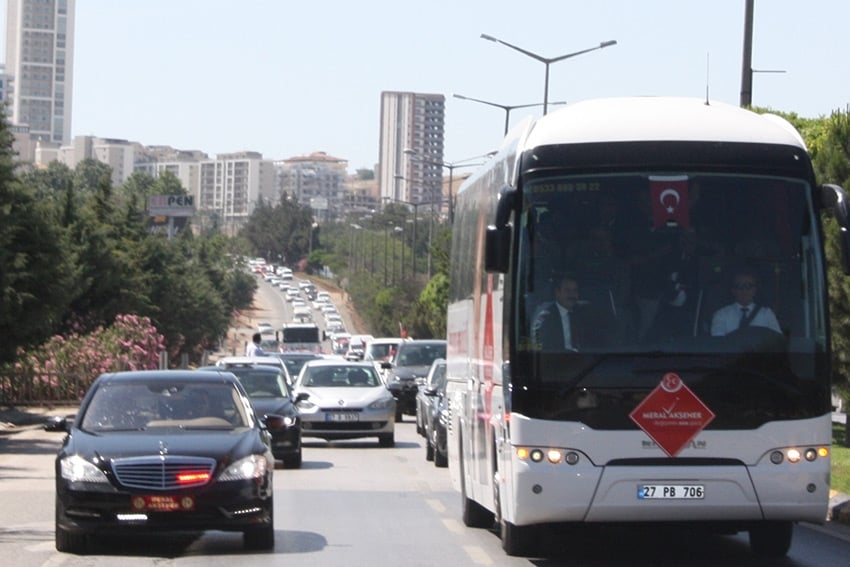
(671,492)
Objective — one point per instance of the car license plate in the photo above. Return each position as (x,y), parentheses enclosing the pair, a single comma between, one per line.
(349,416)
(159,503)
(671,492)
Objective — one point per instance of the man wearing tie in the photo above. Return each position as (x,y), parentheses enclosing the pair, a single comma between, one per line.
(565,324)
(744,312)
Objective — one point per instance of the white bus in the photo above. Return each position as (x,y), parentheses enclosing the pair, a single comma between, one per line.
(306,337)
(658,212)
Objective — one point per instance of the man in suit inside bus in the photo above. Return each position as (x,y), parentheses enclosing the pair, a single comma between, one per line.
(566,324)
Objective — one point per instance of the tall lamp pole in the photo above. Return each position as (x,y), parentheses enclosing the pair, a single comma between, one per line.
(547,60)
(451,166)
(505,107)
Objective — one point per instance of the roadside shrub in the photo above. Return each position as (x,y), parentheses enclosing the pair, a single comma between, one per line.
(63,367)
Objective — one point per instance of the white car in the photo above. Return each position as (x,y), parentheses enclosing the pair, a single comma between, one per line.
(264,327)
(343,399)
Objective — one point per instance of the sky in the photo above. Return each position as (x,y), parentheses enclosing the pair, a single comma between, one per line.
(287,78)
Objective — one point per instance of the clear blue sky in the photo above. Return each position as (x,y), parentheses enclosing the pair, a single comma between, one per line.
(289,78)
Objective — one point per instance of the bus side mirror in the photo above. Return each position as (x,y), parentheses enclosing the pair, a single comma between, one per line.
(497,248)
(497,239)
(834,197)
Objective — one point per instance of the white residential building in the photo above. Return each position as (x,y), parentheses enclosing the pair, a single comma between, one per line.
(231,185)
(40,60)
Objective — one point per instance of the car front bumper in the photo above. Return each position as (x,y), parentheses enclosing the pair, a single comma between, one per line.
(226,506)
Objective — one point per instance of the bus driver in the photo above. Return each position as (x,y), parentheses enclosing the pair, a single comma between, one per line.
(743,312)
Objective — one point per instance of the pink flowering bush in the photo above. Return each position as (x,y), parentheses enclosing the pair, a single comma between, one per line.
(65,366)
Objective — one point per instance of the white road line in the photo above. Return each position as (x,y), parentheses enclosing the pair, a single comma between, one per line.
(478,555)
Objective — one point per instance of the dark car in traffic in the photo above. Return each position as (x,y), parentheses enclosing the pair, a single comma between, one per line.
(163,451)
(268,388)
(431,416)
(408,369)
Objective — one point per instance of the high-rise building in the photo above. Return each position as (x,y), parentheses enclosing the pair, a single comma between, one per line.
(411,147)
(40,61)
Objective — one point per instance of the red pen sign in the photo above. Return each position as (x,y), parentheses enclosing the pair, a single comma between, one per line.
(672,414)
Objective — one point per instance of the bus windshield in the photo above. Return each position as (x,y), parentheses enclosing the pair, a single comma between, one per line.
(622,277)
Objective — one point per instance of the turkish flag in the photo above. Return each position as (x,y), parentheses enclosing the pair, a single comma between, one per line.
(669,196)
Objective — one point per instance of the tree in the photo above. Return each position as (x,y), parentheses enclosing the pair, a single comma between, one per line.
(35,261)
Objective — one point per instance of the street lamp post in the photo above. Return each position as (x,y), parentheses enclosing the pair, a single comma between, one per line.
(451,166)
(547,60)
(313,228)
(505,107)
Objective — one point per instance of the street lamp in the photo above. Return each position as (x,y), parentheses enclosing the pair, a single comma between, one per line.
(547,60)
(451,166)
(313,228)
(351,260)
(504,107)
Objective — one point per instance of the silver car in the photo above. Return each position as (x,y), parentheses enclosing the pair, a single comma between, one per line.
(345,400)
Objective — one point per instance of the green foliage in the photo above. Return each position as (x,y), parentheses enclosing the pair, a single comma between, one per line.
(434,301)
(64,366)
(279,233)
(840,474)
(365,174)
(76,254)
(36,272)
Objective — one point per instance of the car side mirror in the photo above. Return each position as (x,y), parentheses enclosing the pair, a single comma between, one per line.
(273,421)
(56,423)
(386,365)
(301,396)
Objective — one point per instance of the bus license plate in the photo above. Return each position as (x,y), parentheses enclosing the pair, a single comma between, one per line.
(343,417)
(671,492)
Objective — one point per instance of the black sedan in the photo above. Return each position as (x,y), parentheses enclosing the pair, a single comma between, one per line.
(268,389)
(408,369)
(159,451)
(432,405)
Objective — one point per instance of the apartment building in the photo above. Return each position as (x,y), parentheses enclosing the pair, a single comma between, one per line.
(411,147)
(316,180)
(230,186)
(40,63)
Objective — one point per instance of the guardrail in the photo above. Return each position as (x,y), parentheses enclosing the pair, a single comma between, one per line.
(24,388)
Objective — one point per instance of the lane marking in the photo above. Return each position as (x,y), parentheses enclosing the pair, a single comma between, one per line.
(436,505)
(478,555)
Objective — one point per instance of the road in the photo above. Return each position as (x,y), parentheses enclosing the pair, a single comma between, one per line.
(353,503)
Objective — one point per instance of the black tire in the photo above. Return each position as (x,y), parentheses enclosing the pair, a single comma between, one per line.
(386,440)
(69,542)
(293,461)
(399,417)
(65,541)
(441,460)
(429,450)
(771,539)
(260,538)
(473,514)
(518,540)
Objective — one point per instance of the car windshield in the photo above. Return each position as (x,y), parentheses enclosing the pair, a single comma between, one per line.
(137,406)
(294,363)
(260,383)
(420,354)
(380,351)
(341,376)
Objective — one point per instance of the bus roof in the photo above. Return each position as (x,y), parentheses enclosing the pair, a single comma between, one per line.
(640,119)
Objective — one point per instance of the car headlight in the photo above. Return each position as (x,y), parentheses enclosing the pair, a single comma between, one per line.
(289,420)
(254,466)
(77,469)
(383,403)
